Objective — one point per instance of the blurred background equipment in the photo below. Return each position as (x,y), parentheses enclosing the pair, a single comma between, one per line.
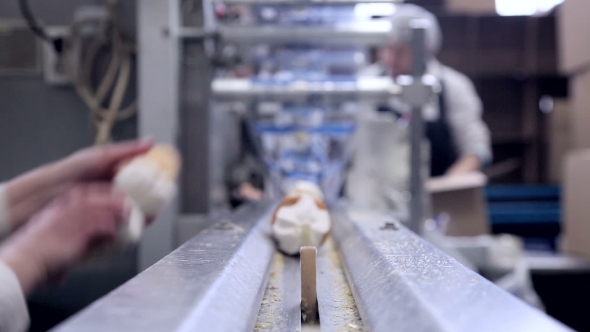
(74,52)
(267,92)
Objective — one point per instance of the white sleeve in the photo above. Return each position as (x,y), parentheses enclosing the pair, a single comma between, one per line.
(14,316)
(464,112)
(5,226)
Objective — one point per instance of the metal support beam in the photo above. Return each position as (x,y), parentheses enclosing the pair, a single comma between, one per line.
(159,112)
(417,176)
(366,89)
(357,33)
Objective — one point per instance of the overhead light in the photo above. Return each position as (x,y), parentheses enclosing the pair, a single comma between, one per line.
(525,7)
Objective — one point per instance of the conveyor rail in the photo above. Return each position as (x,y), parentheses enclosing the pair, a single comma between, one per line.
(230,278)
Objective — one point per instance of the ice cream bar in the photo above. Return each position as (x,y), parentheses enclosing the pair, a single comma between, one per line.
(301,219)
(149,181)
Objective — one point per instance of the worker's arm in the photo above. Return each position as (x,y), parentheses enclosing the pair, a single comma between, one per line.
(464,165)
(471,135)
(14,316)
(245,180)
(51,242)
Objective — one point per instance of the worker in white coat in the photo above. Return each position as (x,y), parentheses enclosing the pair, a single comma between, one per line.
(459,139)
(51,217)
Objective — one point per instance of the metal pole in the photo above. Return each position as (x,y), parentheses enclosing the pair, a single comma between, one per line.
(417,203)
(159,100)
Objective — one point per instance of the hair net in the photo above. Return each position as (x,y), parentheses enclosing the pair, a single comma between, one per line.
(401,31)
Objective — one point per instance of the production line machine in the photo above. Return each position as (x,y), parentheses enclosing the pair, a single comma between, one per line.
(373,274)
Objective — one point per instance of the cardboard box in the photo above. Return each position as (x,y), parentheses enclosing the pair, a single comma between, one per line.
(574,35)
(576,202)
(471,6)
(580,110)
(462,198)
(559,139)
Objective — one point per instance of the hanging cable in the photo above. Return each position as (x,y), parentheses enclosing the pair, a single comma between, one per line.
(36,28)
(115,81)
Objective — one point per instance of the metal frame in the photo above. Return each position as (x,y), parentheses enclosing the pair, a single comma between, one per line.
(379,88)
(159,78)
(357,33)
(174,99)
(404,283)
(307,2)
(214,282)
(399,281)
(417,131)
(217,279)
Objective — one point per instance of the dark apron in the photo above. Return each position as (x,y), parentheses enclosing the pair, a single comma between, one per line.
(443,153)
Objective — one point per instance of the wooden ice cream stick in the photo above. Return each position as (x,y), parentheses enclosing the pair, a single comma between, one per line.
(309,303)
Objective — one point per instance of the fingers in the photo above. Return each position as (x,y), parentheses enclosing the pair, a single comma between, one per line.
(85,191)
(96,201)
(115,153)
(62,232)
(101,197)
(113,203)
(103,224)
(99,163)
(22,210)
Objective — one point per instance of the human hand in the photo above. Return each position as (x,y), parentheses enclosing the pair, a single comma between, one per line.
(27,194)
(63,233)
(464,165)
(250,193)
(99,162)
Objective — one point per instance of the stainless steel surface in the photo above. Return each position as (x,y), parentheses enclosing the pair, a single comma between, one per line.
(215,281)
(338,310)
(417,176)
(400,281)
(189,225)
(201,131)
(159,114)
(353,33)
(228,89)
(280,309)
(195,34)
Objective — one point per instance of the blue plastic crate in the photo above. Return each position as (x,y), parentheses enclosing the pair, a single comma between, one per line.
(496,193)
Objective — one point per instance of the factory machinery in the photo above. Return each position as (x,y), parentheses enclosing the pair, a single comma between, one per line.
(373,273)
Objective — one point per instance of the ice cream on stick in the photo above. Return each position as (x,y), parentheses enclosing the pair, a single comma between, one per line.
(149,181)
(301,219)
